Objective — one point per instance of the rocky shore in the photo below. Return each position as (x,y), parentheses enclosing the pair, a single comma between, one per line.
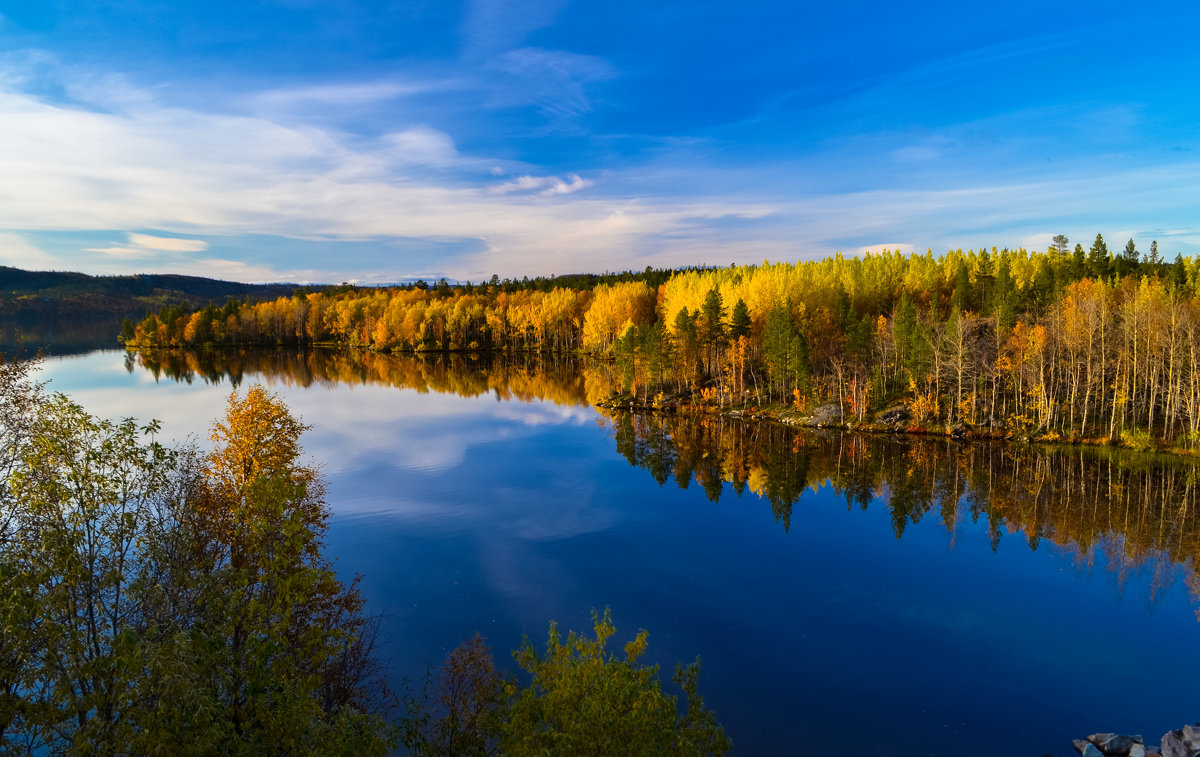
(1184,742)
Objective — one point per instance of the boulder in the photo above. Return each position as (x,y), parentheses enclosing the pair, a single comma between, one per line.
(1090,750)
(1191,737)
(1114,744)
(894,415)
(1173,746)
(1137,750)
(826,414)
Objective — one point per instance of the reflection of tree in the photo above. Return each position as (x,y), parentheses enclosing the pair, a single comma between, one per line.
(1123,510)
(525,377)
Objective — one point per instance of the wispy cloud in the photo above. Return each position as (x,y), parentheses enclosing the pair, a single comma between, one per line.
(555,81)
(146,245)
(549,186)
(345,93)
(123,161)
(19,253)
(496,25)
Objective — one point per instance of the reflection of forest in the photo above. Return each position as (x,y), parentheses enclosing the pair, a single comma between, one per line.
(58,335)
(1128,511)
(555,378)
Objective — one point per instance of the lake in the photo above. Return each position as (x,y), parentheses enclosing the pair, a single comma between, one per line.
(878,594)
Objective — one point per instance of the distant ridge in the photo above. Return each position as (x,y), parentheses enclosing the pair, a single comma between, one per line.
(62,293)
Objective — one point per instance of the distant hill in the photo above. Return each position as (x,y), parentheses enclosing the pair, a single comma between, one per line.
(59,293)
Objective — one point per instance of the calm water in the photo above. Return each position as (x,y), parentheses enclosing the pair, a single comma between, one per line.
(884,596)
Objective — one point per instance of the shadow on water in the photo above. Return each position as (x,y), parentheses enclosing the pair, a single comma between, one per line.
(1120,510)
(20,335)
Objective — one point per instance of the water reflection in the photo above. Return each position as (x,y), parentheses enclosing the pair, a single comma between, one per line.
(1127,512)
(1130,511)
(465,513)
(522,376)
(52,335)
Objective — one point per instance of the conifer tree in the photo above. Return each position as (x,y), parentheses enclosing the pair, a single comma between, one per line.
(739,320)
(1098,259)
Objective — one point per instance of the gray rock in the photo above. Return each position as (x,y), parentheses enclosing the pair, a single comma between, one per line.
(1079,745)
(826,414)
(1137,750)
(1090,750)
(1173,746)
(895,415)
(1114,744)
(1191,737)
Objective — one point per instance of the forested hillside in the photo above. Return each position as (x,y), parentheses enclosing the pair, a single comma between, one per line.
(51,293)
(1067,343)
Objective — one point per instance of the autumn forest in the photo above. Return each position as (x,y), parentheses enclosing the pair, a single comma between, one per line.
(1071,343)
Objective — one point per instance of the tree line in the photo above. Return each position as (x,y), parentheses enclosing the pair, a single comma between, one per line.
(1067,343)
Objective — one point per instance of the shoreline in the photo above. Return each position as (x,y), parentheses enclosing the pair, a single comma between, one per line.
(789,416)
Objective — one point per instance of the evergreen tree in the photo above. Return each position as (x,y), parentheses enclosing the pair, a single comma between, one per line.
(1060,244)
(1153,258)
(1042,289)
(712,325)
(1004,303)
(1127,261)
(739,320)
(1098,259)
(961,298)
(1079,263)
(1179,273)
(904,324)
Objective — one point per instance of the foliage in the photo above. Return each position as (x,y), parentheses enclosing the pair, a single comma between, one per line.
(151,596)
(1086,344)
(580,699)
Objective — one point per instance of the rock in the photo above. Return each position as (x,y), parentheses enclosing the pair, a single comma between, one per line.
(1114,744)
(895,415)
(1191,737)
(1090,750)
(1079,744)
(826,414)
(1173,746)
(960,431)
(1137,750)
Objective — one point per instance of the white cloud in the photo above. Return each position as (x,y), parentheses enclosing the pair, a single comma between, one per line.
(146,245)
(19,253)
(171,244)
(519,184)
(421,145)
(559,187)
(130,162)
(343,94)
(550,185)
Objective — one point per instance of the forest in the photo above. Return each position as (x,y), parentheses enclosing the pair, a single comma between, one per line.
(1071,343)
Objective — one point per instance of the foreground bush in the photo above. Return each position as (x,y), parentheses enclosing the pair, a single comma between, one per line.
(163,601)
(580,699)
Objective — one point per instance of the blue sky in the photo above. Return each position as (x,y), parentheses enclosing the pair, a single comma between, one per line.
(332,140)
